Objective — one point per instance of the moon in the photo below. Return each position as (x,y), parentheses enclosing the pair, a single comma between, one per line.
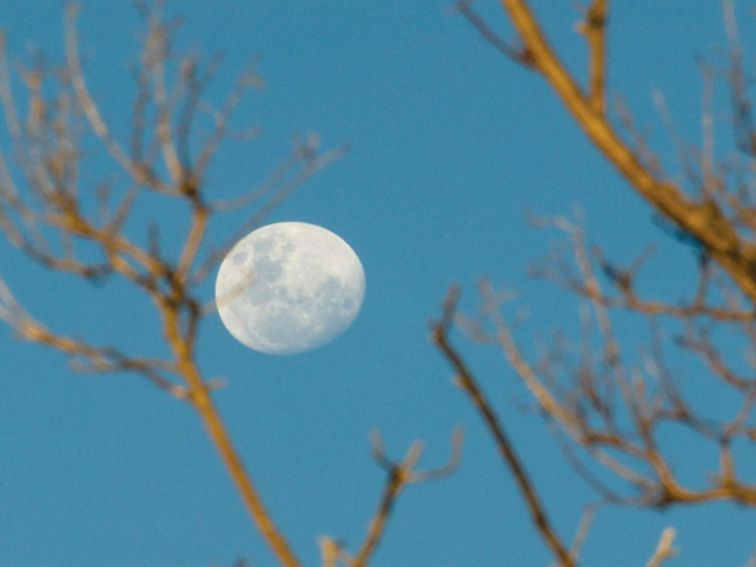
(289,287)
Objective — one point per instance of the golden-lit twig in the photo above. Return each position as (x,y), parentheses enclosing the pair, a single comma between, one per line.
(706,221)
(469,385)
(584,527)
(594,28)
(200,396)
(221,119)
(330,551)
(702,346)
(158,51)
(665,549)
(400,474)
(91,111)
(84,357)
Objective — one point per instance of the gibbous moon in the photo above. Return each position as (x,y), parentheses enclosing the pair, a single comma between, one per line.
(289,287)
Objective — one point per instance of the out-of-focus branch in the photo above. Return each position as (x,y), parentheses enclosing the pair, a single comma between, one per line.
(290,176)
(594,398)
(85,357)
(664,550)
(330,551)
(594,28)
(158,48)
(200,396)
(469,385)
(53,223)
(400,475)
(92,112)
(745,131)
(584,527)
(589,415)
(518,55)
(705,220)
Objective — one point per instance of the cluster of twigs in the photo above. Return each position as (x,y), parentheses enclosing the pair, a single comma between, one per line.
(50,212)
(608,414)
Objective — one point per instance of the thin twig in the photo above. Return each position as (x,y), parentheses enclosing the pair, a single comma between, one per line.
(470,386)
(665,549)
(519,56)
(594,28)
(400,475)
(705,221)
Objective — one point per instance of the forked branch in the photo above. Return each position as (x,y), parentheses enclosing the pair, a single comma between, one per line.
(704,220)
(469,385)
(400,475)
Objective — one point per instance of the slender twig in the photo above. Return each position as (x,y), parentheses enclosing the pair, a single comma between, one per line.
(664,550)
(201,399)
(91,111)
(519,56)
(84,356)
(705,221)
(594,28)
(470,386)
(400,475)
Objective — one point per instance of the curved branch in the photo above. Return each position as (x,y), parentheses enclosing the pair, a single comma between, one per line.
(468,383)
(705,220)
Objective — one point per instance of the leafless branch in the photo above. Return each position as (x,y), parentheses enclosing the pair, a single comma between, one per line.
(51,221)
(518,55)
(400,474)
(469,385)
(664,550)
(594,29)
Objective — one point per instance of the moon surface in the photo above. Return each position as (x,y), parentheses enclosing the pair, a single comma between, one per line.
(289,287)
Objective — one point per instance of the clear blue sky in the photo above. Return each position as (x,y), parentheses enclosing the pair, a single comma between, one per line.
(452,144)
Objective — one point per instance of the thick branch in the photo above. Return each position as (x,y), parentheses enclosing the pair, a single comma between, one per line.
(705,221)
(200,397)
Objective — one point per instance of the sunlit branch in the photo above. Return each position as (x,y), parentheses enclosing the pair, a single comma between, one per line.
(469,385)
(90,109)
(745,132)
(221,119)
(664,550)
(594,28)
(400,474)
(518,55)
(704,220)
(48,147)
(200,396)
(84,357)
(158,49)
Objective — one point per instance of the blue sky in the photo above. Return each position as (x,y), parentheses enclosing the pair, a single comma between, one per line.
(452,145)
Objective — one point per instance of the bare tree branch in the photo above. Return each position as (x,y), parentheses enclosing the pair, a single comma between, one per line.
(400,474)
(664,550)
(467,382)
(594,28)
(54,223)
(704,220)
